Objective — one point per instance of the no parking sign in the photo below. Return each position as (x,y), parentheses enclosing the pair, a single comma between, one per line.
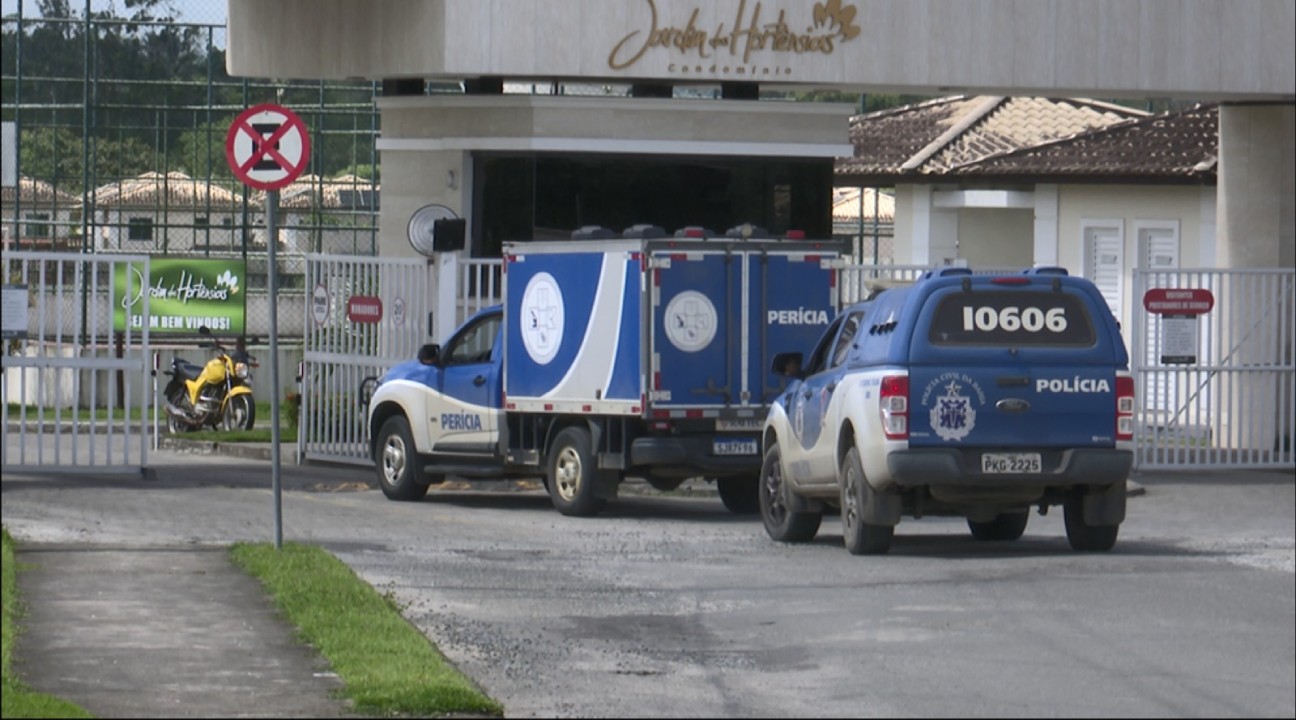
(267,146)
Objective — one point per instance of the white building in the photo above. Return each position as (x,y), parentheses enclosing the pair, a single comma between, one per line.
(1003,182)
(35,215)
(165,214)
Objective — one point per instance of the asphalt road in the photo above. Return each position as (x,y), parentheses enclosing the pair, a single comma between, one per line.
(670,606)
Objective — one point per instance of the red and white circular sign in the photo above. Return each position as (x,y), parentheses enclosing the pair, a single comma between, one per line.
(267,146)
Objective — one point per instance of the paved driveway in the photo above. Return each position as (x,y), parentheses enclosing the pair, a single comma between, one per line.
(670,606)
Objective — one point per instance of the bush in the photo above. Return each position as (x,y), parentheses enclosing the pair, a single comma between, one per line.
(291,411)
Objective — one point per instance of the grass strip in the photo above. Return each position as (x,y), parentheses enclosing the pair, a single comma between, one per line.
(388,666)
(35,412)
(18,700)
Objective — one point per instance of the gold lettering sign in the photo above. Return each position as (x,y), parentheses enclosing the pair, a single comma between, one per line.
(701,51)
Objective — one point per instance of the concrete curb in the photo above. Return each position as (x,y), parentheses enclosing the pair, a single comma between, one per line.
(248,451)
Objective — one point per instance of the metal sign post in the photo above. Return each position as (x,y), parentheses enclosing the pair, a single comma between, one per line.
(272,222)
(268,146)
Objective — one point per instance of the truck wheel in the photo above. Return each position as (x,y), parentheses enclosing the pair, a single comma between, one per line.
(739,494)
(572,469)
(396,462)
(781,523)
(1083,536)
(862,538)
(1007,526)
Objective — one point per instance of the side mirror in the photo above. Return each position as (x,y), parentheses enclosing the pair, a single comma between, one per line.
(787,364)
(429,354)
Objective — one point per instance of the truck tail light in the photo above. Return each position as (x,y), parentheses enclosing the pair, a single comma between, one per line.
(1124,407)
(894,405)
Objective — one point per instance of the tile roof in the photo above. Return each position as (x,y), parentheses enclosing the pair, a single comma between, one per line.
(1178,144)
(846,205)
(31,191)
(885,139)
(155,190)
(339,193)
(933,137)
(1013,123)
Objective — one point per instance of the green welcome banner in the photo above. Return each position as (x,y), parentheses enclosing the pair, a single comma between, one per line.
(184,294)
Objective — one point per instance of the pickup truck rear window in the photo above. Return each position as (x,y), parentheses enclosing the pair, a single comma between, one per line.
(1015,318)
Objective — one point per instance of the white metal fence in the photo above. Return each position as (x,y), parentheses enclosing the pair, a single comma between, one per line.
(1232,402)
(363,315)
(859,280)
(70,404)
(481,285)
(73,402)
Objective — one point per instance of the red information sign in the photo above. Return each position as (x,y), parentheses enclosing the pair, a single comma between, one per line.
(1178,301)
(364,309)
(267,146)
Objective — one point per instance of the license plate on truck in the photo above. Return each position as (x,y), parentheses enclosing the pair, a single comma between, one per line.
(734,447)
(1010,463)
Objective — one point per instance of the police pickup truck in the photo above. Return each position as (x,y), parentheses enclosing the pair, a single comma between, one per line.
(979,396)
(643,356)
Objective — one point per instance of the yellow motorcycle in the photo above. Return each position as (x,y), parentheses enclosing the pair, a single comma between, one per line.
(216,395)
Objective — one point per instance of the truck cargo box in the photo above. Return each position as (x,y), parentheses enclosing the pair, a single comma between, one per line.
(659,328)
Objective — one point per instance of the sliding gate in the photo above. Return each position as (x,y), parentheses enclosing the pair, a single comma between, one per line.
(1215,389)
(363,316)
(76,393)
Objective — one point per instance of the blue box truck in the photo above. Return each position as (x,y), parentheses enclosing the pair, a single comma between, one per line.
(609,358)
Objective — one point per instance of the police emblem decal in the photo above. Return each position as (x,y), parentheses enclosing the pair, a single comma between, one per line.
(952,416)
(543,318)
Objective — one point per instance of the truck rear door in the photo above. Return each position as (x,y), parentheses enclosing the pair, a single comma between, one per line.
(792,296)
(697,312)
(720,315)
(1012,363)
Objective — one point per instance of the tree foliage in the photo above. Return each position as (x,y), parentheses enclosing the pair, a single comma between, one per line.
(134,90)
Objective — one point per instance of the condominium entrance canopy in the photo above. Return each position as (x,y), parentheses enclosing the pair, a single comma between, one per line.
(1198,49)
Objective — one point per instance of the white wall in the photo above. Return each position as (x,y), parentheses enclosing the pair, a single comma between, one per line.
(1129,205)
(173,230)
(996,238)
(1258,171)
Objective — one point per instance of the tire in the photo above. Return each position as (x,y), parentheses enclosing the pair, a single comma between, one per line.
(1083,536)
(240,413)
(862,538)
(782,524)
(1007,526)
(175,425)
(396,460)
(573,474)
(740,494)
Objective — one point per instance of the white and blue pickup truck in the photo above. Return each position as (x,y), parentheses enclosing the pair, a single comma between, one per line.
(980,396)
(608,358)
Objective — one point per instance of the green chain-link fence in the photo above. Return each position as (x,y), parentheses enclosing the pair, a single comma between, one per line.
(118,119)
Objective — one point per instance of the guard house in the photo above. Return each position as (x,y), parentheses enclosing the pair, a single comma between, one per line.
(671,127)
